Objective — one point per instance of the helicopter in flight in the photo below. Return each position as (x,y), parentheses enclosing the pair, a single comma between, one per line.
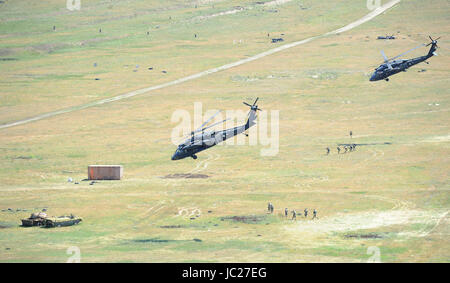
(204,140)
(392,66)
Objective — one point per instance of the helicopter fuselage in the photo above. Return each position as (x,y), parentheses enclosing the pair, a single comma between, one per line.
(383,72)
(205,140)
(392,67)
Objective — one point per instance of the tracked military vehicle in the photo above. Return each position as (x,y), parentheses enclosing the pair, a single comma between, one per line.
(35,219)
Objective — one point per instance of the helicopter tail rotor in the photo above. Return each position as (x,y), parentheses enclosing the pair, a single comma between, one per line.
(433,41)
(434,46)
(254,106)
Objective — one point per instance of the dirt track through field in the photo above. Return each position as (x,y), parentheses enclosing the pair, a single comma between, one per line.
(348,27)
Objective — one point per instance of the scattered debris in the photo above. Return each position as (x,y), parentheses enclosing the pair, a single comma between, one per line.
(158,240)
(364,236)
(165,72)
(171,226)
(251,219)
(185,176)
(97,79)
(23,157)
(275,40)
(70,180)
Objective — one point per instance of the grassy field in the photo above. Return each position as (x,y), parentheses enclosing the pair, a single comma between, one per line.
(391,193)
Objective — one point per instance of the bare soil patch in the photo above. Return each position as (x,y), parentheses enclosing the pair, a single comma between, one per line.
(249,219)
(364,236)
(185,176)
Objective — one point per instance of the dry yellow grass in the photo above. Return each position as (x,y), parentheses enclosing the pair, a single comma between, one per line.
(396,191)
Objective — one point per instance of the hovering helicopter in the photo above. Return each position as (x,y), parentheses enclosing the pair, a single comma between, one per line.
(204,140)
(392,66)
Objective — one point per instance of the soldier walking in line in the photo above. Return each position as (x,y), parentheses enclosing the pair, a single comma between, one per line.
(306,212)
(269,205)
(314,214)
(339,149)
(271,208)
(328,150)
(286,212)
(294,215)
(351,134)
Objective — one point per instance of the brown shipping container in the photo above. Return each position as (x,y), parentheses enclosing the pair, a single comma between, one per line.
(105,172)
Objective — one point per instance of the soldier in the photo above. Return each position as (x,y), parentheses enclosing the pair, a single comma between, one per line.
(351,134)
(286,212)
(345,147)
(314,213)
(328,150)
(269,205)
(339,149)
(354,146)
(294,215)
(306,212)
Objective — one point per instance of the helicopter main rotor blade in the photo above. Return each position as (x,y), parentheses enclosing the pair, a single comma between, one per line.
(254,103)
(207,121)
(404,53)
(384,56)
(245,103)
(386,60)
(215,124)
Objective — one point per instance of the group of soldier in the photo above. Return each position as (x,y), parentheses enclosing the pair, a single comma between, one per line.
(346,148)
(294,213)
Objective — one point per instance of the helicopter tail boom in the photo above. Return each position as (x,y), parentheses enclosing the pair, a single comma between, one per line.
(433,47)
(252,114)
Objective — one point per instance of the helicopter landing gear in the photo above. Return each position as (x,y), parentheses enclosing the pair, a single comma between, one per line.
(194,156)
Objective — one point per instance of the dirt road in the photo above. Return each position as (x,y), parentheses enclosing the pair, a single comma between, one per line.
(348,27)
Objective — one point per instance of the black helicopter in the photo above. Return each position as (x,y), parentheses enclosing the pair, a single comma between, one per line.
(205,140)
(392,66)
